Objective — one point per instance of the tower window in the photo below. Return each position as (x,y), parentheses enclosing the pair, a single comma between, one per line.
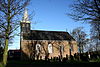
(23,25)
(27,25)
(24,29)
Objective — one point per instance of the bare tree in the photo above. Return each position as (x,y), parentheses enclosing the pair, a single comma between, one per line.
(85,10)
(90,46)
(10,10)
(95,37)
(88,11)
(80,37)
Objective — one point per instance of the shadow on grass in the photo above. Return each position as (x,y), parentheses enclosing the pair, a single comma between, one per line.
(13,63)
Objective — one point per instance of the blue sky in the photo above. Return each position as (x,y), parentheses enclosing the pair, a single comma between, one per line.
(51,15)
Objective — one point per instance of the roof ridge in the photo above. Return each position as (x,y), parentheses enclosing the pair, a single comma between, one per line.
(50,31)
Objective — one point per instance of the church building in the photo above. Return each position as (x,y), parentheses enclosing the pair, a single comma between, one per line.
(41,44)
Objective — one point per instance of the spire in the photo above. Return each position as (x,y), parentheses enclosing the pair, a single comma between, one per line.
(25,17)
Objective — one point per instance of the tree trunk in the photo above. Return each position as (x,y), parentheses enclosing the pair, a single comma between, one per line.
(5,52)
(5,55)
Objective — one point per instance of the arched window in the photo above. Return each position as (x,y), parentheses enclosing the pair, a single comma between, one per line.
(61,48)
(71,47)
(38,48)
(50,49)
(23,25)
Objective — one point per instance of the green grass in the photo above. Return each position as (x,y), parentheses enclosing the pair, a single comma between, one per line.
(95,60)
(1,65)
(47,62)
(73,63)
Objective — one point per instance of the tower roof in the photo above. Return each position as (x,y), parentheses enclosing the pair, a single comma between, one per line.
(25,16)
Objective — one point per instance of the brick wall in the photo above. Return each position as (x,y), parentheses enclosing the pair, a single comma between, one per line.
(28,48)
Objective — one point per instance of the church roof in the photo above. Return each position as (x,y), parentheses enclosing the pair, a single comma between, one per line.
(47,35)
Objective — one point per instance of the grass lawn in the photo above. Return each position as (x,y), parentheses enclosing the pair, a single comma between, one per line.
(1,64)
(14,63)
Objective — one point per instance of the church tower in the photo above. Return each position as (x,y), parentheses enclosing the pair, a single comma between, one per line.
(25,23)
(24,29)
